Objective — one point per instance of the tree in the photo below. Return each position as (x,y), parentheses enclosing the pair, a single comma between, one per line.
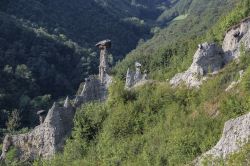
(13,121)
(23,71)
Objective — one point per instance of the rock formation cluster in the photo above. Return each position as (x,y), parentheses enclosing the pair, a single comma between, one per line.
(49,137)
(136,78)
(210,58)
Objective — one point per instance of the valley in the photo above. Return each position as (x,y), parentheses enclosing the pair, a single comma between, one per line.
(177,89)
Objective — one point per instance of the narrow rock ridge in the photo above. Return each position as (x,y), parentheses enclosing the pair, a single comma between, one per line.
(210,58)
(236,134)
(49,137)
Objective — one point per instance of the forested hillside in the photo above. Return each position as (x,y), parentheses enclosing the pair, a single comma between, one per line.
(157,124)
(191,19)
(47,47)
(34,63)
(84,21)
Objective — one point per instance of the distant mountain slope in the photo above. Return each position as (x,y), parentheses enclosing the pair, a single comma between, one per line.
(143,9)
(189,21)
(83,21)
(34,63)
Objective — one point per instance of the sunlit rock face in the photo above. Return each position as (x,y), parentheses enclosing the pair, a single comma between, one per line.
(236,133)
(47,138)
(209,58)
(137,78)
(93,90)
(236,38)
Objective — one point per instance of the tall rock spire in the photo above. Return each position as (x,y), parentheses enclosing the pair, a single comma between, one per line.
(138,75)
(67,103)
(128,79)
(103,67)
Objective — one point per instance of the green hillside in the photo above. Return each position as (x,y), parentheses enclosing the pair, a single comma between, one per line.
(159,54)
(155,124)
(52,44)
(36,65)
(87,21)
(160,125)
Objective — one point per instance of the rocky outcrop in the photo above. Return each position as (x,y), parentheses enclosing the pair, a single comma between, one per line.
(136,78)
(236,133)
(45,139)
(207,59)
(103,66)
(235,38)
(49,137)
(93,90)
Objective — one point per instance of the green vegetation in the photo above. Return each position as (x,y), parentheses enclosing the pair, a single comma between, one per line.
(171,49)
(241,158)
(12,159)
(156,124)
(47,48)
(32,65)
(86,22)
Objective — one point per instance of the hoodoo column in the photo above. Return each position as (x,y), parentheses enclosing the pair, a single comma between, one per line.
(103,67)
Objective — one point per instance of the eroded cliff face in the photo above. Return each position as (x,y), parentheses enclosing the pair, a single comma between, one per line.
(207,59)
(45,139)
(93,90)
(236,38)
(236,133)
(210,58)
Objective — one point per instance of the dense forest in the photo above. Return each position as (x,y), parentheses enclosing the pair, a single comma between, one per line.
(47,48)
(45,54)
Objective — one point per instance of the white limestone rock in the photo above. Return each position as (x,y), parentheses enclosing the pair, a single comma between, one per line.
(67,103)
(44,140)
(137,78)
(129,79)
(235,135)
(207,59)
(93,90)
